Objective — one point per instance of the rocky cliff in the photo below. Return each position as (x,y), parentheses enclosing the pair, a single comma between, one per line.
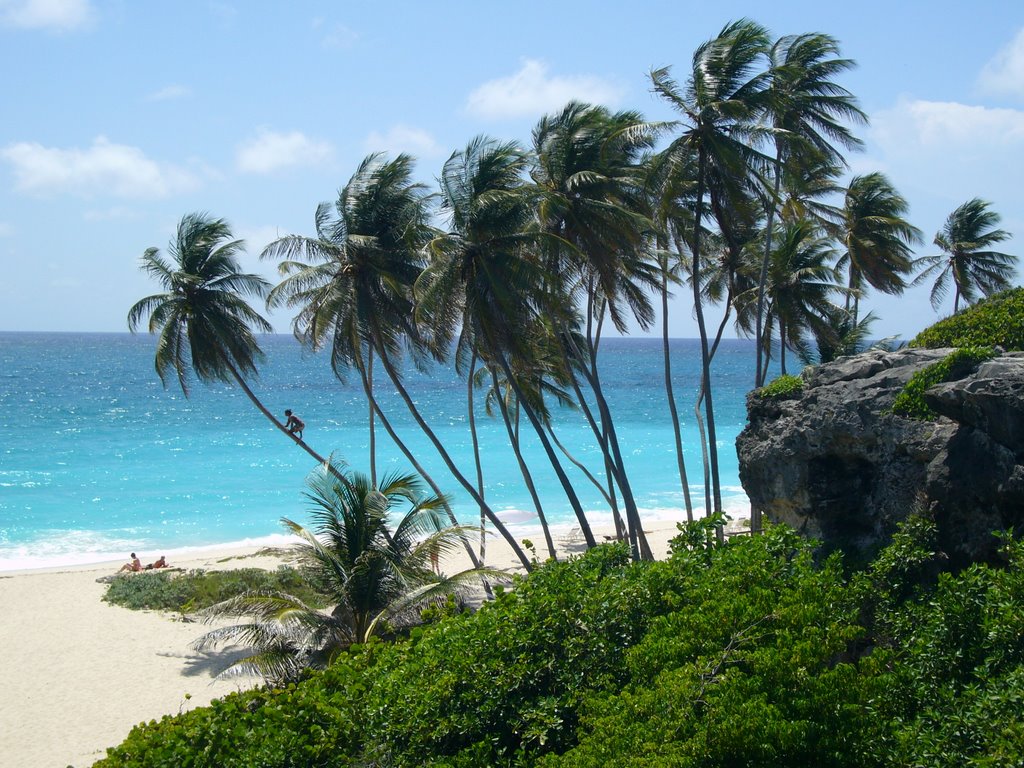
(834,462)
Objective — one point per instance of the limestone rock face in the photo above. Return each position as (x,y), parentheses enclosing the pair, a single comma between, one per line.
(834,462)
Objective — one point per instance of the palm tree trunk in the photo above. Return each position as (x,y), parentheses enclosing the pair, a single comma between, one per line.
(524,470)
(705,358)
(538,427)
(476,454)
(673,413)
(446,457)
(386,422)
(763,280)
(373,429)
(782,347)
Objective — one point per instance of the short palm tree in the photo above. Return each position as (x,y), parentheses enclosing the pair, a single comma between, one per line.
(967,259)
(205,324)
(375,580)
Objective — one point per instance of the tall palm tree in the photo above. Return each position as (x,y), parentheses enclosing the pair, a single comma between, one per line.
(878,241)
(587,165)
(719,107)
(967,259)
(204,323)
(374,580)
(354,290)
(805,109)
(480,288)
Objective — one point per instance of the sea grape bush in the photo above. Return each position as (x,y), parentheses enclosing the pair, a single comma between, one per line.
(995,321)
(910,400)
(754,652)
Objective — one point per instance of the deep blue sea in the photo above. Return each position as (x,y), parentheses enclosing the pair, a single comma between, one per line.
(97,458)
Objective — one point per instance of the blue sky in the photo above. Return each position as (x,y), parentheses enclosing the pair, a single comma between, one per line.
(119,117)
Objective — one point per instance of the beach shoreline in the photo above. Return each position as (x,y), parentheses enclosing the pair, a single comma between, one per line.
(83,672)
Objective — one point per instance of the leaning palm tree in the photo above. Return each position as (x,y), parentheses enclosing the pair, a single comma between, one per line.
(805,109)
(877,239)
(719,107)
(967,259)
(204,322)
(375,580)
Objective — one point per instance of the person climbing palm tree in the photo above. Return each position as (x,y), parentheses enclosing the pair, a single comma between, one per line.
(204,323)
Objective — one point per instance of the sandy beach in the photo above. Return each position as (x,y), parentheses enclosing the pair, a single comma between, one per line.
(80,673)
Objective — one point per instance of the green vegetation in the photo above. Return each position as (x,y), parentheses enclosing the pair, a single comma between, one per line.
(196,590)
(780,387)
(750,653)
(995,321)
(955,365)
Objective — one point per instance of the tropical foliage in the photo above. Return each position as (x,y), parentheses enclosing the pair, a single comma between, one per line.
(754,652)
(995,321)
(375,577)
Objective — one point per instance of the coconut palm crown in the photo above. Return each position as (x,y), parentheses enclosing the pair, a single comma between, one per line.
(205,324)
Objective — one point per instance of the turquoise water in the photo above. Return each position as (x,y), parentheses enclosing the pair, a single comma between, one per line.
(97,458)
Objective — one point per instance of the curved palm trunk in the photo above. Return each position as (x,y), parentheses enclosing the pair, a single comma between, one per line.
(476,454)
(375,407)
(524,470)
(538,427)
(709,407)
(673,413)
(609,499)
(373,429)
(763,280)
(446,457)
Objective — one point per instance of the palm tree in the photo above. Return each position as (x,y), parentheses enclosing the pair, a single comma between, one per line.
(374,580)
(480,287)
(593,204)
(205,324)
(877,239)
(967,258)
(800,285)
(354,290)
(804,108)
(719,107)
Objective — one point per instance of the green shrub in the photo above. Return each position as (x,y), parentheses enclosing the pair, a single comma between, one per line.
(781,387)
(910,400)
(195,590)
(995,321)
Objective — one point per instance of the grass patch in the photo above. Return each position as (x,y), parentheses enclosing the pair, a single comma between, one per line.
(783,386)
(194,590)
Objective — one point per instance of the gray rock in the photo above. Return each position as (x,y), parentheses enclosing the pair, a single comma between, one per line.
(835,463)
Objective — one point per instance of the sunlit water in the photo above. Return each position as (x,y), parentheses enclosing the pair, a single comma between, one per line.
(97,458)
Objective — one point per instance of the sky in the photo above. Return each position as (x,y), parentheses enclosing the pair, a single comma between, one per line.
(119,117)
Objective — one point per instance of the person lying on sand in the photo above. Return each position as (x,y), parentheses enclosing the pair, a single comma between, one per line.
(134,565)
(161,563)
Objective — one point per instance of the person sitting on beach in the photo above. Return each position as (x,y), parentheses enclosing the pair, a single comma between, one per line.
(294,424)
(161,563)
(134,565)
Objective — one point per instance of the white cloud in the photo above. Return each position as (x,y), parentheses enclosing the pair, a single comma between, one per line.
(272,151)
(403,138)
(941,124)
(169,93)
(532,92)
(1004,73)
(103,170)
(58,15)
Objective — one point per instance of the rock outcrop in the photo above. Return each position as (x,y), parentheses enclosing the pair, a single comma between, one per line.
(834,462)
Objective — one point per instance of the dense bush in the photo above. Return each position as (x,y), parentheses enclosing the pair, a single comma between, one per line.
(995,321)
(958,363)
(783,386)
(749,653)
(195,590)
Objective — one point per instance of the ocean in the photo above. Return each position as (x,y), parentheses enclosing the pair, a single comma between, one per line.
(98,458)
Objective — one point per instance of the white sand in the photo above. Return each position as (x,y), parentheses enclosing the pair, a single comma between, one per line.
(80,673)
